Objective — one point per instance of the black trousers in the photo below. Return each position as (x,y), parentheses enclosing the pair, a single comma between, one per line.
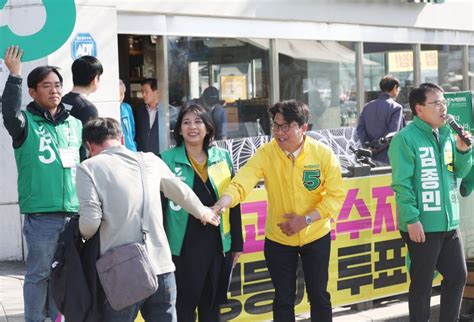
(282,263)
(442,251)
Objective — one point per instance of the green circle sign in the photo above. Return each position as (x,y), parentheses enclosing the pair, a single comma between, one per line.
(60,21)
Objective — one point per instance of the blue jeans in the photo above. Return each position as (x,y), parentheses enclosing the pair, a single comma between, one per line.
(41,232)
(161,306)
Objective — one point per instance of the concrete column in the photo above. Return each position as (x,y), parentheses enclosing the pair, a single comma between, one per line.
(465,68)
(274,73)
(416,65)
(163,87)
(359,74)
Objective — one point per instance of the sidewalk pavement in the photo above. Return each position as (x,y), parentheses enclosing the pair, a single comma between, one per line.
(393,309)
(11,291)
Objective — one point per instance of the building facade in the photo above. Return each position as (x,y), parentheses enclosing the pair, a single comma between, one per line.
(329,53)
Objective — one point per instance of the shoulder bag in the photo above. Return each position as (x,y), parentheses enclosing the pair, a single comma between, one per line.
(125,272)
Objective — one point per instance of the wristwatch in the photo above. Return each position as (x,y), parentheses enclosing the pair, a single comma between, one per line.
(308,219)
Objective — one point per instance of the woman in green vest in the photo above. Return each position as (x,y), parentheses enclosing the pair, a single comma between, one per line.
(203,254)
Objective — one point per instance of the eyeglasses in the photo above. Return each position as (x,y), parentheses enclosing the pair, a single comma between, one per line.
(285,127)
(50,86)
(438,103)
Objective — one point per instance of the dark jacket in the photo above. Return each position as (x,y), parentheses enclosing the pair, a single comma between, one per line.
(76,290)
(147,139)
(220,122)
(378,118)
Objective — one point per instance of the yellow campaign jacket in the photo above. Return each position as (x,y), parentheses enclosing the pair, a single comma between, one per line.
(314,181)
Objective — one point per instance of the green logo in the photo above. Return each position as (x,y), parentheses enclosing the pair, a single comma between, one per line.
(60,21)
(311,179)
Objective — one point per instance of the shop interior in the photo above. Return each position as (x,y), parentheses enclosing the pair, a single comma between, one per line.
(238,69)
(320,73)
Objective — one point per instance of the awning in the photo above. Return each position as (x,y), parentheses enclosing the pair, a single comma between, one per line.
(319,51)
(312,50)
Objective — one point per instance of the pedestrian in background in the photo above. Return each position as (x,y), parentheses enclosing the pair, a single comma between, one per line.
(127,120)
(210,98)
(86,72)
(146,118)
(381,117)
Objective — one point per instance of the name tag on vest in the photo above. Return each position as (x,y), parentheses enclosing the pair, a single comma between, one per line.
(68,157)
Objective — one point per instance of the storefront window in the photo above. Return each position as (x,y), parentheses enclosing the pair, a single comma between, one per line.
(382,59)
(442,65)
(322,74)
(237,68)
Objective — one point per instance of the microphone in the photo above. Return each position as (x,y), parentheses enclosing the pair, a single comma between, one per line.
(455,126)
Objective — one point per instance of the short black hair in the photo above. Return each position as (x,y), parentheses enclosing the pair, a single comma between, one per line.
(100,129)
(292,110)
(38,75)
(387,83)
(204,115)
(210,96)
(152,82)
(85,69)
(418,95)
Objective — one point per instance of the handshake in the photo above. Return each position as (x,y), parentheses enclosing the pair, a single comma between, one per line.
(212,214)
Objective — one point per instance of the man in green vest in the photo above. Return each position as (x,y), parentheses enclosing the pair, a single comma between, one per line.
(46,141)
(427,160)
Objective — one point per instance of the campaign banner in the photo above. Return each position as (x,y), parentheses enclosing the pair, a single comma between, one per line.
(368,257)
(460,106)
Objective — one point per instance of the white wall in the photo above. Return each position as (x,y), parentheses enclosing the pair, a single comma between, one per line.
(453,14)
(390,21)
(100,22)
(10,227)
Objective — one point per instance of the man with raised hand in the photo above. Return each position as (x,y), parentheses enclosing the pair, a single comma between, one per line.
(46,141)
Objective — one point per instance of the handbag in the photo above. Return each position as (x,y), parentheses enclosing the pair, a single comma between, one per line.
(125,271)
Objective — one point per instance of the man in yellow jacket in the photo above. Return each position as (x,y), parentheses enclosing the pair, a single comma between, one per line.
(305,190)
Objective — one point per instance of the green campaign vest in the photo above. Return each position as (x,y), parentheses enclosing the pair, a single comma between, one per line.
(219,169)
(44,185)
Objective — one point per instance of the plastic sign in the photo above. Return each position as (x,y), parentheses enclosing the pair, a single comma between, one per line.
(83,44)
(59,24)
(460,106)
